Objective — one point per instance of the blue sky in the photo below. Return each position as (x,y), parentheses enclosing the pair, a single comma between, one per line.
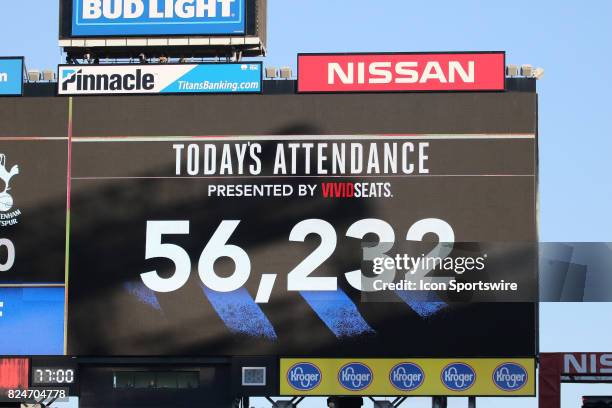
(568,39)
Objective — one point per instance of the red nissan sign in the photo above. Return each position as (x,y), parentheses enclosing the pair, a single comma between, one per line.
(406,72)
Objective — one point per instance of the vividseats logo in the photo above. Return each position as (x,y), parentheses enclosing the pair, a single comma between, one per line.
(406,376)
(458,376)
(510,377)
(7,217)
(355,376)
(304,376)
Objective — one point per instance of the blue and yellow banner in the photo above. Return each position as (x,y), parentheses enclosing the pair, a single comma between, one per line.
(418,377)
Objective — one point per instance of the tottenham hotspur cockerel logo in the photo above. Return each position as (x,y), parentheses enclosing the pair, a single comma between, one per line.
(6,200)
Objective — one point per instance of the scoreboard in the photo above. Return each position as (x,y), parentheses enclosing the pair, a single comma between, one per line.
(249,225)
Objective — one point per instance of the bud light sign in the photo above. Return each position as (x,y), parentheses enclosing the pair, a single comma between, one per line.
(157,17)
(406,376)
(458,376)
(304,376)
(355,376)
(510,377)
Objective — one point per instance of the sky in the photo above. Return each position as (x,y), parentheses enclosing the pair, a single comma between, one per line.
(566,38)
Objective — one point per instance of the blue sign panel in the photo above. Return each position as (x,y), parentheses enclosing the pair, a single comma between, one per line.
(510,377)
(31,321)
(11,76)
(304,376)
(218,78)
(157,17)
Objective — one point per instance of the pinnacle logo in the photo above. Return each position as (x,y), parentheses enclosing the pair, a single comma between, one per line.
(7,217)
(132,80)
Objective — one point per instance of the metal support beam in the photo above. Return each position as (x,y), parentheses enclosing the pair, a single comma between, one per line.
(471,402)
(439,402)
(399,401)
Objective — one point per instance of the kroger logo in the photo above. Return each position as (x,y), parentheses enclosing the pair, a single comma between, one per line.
(458,376)
(355,376)
(304,376)
(510,377)
(406,376)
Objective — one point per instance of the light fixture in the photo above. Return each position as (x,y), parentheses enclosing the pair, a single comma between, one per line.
(286,73)
(33,75)
(271,72)
(538,73)
(48,75)
(527,70)
(512,70)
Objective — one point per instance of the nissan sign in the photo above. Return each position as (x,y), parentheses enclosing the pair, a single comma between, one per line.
(407,72)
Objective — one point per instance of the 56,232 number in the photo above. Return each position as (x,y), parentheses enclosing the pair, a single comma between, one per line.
(299,278)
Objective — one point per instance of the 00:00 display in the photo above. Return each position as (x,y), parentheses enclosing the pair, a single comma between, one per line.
(299,278)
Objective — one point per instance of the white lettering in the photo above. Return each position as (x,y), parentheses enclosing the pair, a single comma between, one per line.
(133,8)
(433,70)
(111,11)
(455,67)
(408,76)
(92,9)
(381,75)
(208,6)
(154,10)
(570,361)
(334,69)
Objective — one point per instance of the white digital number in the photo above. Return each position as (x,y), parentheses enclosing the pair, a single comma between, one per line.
(217,248)
(446,239)
(386,239)
(299,278)
(10,254)
(155,249)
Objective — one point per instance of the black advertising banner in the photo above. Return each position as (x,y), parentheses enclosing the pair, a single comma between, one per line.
(254,245)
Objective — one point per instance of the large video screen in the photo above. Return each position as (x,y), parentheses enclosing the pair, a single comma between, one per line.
(252,224)
(239,226)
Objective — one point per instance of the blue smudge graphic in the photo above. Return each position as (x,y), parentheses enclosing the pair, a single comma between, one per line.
(424,308)
(240,313)
(338,312)
(144,294)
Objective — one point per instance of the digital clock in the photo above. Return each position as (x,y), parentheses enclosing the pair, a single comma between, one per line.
(53,375)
